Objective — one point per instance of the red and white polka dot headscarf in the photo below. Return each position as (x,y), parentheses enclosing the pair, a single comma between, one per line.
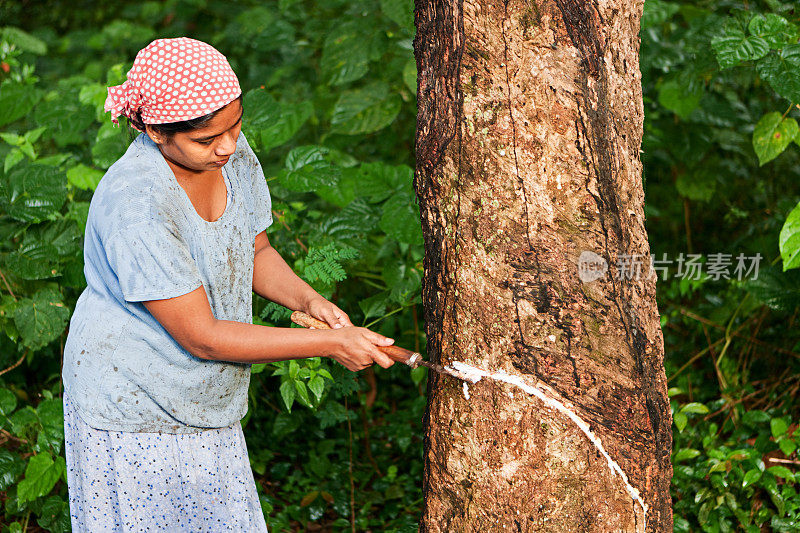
(173,80)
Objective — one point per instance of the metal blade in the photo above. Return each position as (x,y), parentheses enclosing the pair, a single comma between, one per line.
(442,370)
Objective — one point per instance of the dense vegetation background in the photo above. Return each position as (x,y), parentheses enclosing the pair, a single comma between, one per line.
(330,108)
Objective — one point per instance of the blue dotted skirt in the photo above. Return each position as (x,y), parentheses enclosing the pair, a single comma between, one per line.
(131,482)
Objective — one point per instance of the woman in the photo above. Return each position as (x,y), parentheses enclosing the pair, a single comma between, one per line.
(157,360)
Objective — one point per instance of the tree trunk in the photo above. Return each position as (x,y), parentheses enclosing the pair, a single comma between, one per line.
(528,135)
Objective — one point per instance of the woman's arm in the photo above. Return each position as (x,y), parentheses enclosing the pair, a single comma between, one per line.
(191,322)
(275,280)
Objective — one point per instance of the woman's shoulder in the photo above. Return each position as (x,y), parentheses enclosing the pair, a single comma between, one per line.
(132,189)
(136,169)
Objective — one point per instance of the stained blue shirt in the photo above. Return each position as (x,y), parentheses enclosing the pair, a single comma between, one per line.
(145,241)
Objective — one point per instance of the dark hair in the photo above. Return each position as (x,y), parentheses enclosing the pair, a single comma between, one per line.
(168,129)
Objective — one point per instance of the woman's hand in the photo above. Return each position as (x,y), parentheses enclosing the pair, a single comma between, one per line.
(322,309)
(357,348)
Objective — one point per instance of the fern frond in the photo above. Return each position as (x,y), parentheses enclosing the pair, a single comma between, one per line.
(325,264)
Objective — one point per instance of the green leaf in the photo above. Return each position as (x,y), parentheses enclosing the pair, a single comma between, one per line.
(12,138)
(694,408)
(778,427)
(24,40)
(378,181)
(27,149)
(63,234)
(288,393)
(751,477)
(774,29)
(79,212)
(419,374)
(401,219)
(40,476)
(33,192)
(272,123)
(68,120)
(365,110)
(257,368)
(309,167)
(110,144)
(121,34)
(657,12)
(782,524)
(375,305)
(680,421)
(33,260)
(680,96)
(789,240)
(755,417)
(782,71)
(55,516)
(11,467)
(261,29)
(410,75)
(287,124)
(22,420)
(41,319)
(33,135)
(12,158)
(16,100)
(302,393)
(317,386)
(787,446)
(401,12)
(685,453)
(51,416)
(781,471)
(84,177)
(732,46)
(772,135)
(345,54)
(698,184)
(8,402)
(294,368)
(94,95)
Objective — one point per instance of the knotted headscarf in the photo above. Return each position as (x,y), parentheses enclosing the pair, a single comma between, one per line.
(173,80)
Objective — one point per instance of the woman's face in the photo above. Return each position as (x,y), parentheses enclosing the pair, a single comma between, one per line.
(207,148)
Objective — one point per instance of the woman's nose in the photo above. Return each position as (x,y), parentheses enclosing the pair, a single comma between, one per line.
(227,146)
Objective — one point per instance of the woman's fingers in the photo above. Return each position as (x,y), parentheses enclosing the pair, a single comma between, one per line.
(329,316)
(378,339)
(341,317)
(373,341)
(382,359)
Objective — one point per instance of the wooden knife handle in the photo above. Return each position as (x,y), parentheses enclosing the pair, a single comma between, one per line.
(396,353)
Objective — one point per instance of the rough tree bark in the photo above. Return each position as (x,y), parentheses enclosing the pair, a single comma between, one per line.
(528,139)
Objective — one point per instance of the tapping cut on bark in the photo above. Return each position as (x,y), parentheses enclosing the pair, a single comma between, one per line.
(529,131)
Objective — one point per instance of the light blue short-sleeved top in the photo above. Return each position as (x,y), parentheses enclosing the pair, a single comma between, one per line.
(145,241)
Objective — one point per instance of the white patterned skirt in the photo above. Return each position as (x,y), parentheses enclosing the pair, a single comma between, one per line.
(122,481)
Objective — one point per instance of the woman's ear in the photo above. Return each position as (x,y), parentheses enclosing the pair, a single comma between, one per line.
(154,135)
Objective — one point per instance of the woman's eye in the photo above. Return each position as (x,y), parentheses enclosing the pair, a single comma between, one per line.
(205,143)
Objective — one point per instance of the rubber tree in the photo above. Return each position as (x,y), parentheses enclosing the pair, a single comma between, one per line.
(537,265)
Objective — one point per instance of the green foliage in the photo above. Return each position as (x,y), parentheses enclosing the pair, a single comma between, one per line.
(329,105)
(729,478)
(772,135)
(329,97)
(720,132)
